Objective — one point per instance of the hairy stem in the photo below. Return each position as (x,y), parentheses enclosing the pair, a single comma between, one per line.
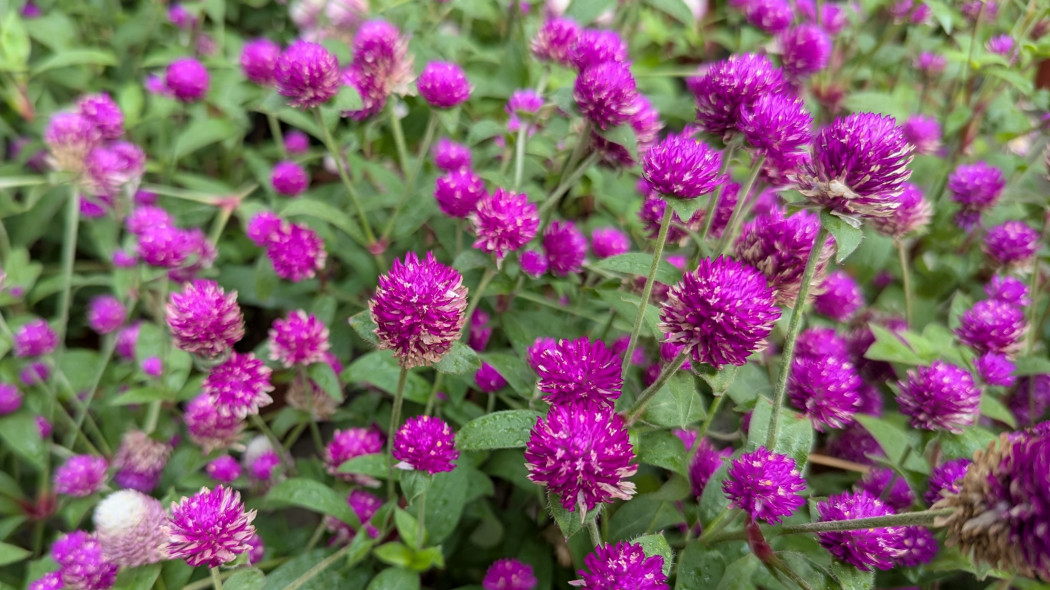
(344,175)
(395,422)
(661,239)
(922,518)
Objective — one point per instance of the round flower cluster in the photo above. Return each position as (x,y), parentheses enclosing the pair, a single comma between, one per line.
(579,371)
(764,485)
(425,443)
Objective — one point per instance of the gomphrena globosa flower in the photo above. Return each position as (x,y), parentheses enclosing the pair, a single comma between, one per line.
(581,452)
(888,486)
(35,338)
(81,475)
(296,252)
(623,565)
(597,46)
(913,214)
(298,339)
(922,132)
(289,179)
(457,192)
(69,138)
(705,462)
(349,443)
(307,74)
(728,86)
(209,528)
(606,94)
(579,371)
(867,548)
(129,526)
(779,246)
(239,386)
(224,469)
(204,319)
(509,574)
(555,40)
(682,167)
(10,399)
(258,60)
(607,242)
(1011,245)
(939,397)
(764,485)
(82,566)
(976,188)
(106,314)
(993,326)
(425,443)
(139,461)
(772,16)
(104,113)
(1002,509)
(995,369)
(504,222)
(443,84)
(826,389)
(565,248)
(418,309)
(776,125)
(805,50)
(859,165)
(187,79)
(449,155)
(488,379)
(1030,399)
(946,479)
(723,311)
(840,297)
(918,546)
(381,55)
(209,429)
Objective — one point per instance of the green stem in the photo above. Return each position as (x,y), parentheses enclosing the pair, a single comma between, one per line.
(410,180)
(152,416)
(782,567)
(82,410)
(922,518)
(741,202)
(395,422)
(661,239)
(320,567)
(216,581)
(712,205)
(711,413)
(596,535)
(519,155)
(646,396)
(479,292)
(794,327)
(399,136)
(275,131)
(902,255)
(344,175)
(420,528)
(69,254)
(432,398)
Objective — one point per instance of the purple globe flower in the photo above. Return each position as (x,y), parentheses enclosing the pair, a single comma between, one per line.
(209,429)
(930,63)
(348,444)
(859,165)
(1008,289)
(946,479)
(381,54)
(449,155)
(425,443)
(296,252)
(939,397)
(976,188)
(299,339)
(995,369)
(582,453)
(623,565)
(296,142)
(919,546)
(418,310)
(106,314)
(139,461)
(205,320)
(682,167)
(258,60)
(369,88)
(488,379)
(730,85)
(652,214)
(35,338)
(993,326)
(50,580)
(779,247)
(1000,45)
(504,222)
(826,388)
(723,311)
(110,168)
(127,338)
(289,179)
(457,192)
(209,528)
(705,462)
(10,399)
(81,475)
(555,40)
(765,485)
(866,548)
(924,133)
(840,298)
(69,138)
(772,16)
(1011,245)
(307,74)
(187,79)
(597,46)
(854,443)
(104,113)
(81,562)
(443,84)
(606,94)
(533,263)
(262,468)
(818,343)
(776,124)
(480,330)
(1030,399)
(509,574)
(239,386)
(912,215)
(805,50)
(646,124)
(130,528)
(263,227)
(365,506)
(607,242)
(889,487)
(224,469)
(565,248)
(579,371)
(536,351)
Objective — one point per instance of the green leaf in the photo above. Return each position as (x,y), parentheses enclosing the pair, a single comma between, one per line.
(461,360)
(889,347)
(739,574)
(966,443)
(1032,365)
(381,369)
(312,495)
(140,395)
(394,553)
(446,498)
(290,571)
(348,99)
(847,237)
(662,449)
(657,545)
(516,371)
(483,130)
(408,529)
(720,380)
(246,579)
(638,263)
(876,102)
(14,42)
(471,259)
(893,436)
(677,404)
(20,434)
(75,57)
(997,410)
(324,212)
(394,579)
(202,132)
(373,465)
(508,429)
(643,514)
(794,433)
(324,376)
(624,136)
(585,11)
(365,326)
(852,578)
(699,567)
(675,8)
(570,522)
(686,208)
(143,578)
(12,554)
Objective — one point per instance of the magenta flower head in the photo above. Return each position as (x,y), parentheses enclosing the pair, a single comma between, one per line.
(307,74)
(418,309)
(443,85)
(723,311)
(101,110)
(888,486)
(730,85)
(1012,245)
(297,142)
(10,399)
(130,528)
(348,444)
(81,562)
(1008,289)
(373,95)
(776,125)
(976,188)
(533,263)
(425,443)
(779,247)
(859,166)
(205,320)
(555,40)
(457,192)
(504,222)
(597,46)
(1000,45)
(106,314)
(652,214)
(623,565)
(258,60)
(1030,399)
(609,241)
(930,63)
(939,397)
(224,469)
(912,215)
(139,461)
(35,338)
(289,179)
(187,79)
(946,479)
(922,132)
(993,326)
(365,506)
(826,388)
(239,386)
(765,485)
(209,528)
(69,138)
(263,227)
(919,546)
(298,339)
(509,574)
(841,297)
(579,371)
(682,167)
(582,453)
(705,462)
(381,53)
(606,94)
(488,379)
(865,548)
(565,247)
(772,16)
(81,475)
(995,369)
(296,252)
(449,155)
(50,580)
(805,50)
